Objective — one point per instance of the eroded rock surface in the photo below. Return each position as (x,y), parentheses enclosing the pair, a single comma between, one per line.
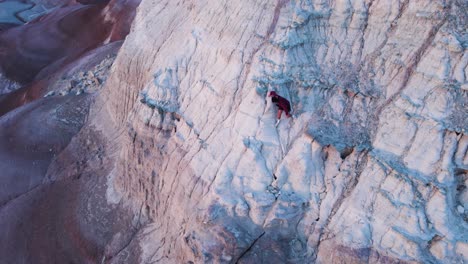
(72,37)
(53,206)
(180,160)
(371,169)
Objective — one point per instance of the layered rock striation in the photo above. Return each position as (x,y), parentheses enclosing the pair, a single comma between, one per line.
(371,169)
(183,163)
(53,207)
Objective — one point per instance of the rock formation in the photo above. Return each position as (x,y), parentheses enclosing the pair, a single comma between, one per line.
(179,159)
(52,204)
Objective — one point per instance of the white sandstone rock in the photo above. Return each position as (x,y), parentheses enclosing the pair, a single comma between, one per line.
(366,170)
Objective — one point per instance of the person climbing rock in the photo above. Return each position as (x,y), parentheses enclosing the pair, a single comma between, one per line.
(282,104)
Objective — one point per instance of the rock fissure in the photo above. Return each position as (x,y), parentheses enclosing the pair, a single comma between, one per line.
(250,247)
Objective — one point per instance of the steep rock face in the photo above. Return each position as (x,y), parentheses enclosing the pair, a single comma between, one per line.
(373,167)
(179,159)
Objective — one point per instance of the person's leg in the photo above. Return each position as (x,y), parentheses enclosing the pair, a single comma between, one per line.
(287,113)
(278,116)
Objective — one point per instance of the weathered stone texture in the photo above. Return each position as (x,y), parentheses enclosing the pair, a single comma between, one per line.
(371,169)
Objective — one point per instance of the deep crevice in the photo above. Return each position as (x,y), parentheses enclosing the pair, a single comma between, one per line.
(250,247)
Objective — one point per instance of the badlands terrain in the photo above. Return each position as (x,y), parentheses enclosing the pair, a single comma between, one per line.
(140,131)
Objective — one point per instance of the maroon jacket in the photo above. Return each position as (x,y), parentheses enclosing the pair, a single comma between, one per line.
(282,104)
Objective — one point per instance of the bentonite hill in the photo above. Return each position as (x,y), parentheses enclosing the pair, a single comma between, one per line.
(140,131)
